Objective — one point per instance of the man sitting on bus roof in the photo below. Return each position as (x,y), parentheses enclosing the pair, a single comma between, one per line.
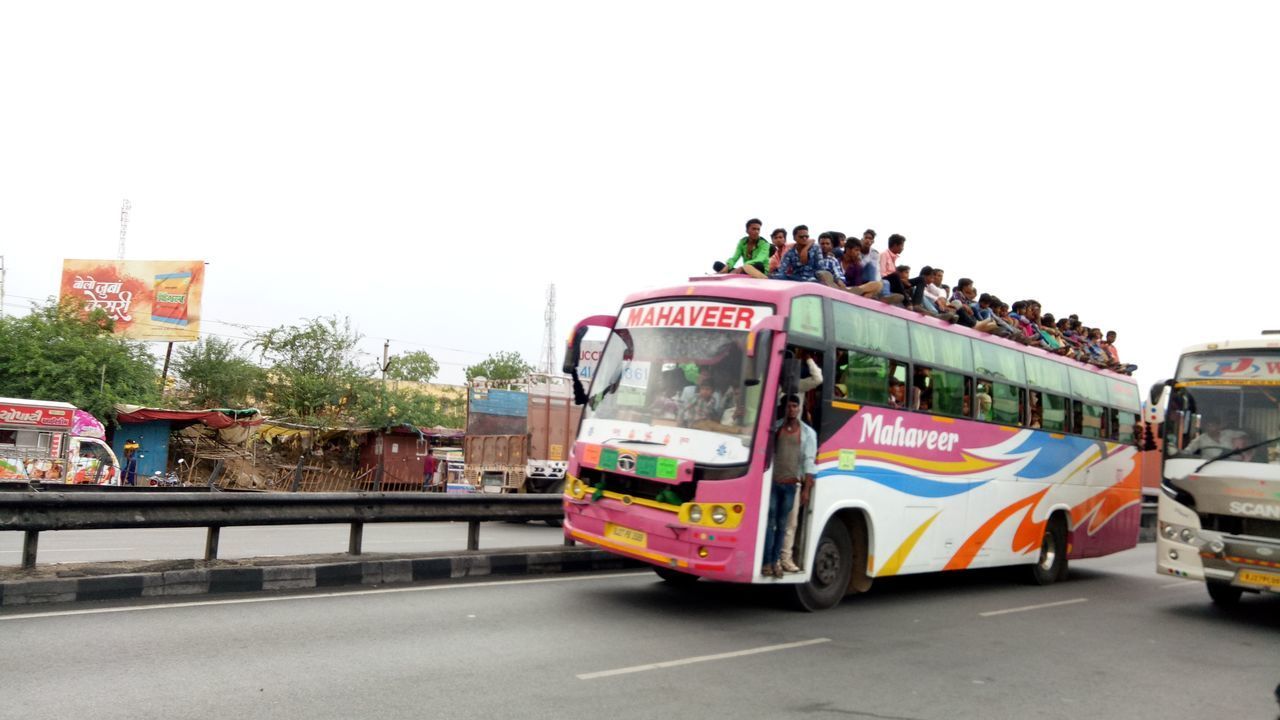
(801,262)
(795,452)
(752,250)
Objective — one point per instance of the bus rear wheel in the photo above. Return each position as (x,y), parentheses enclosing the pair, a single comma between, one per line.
(1223,594)
(1051,566)
(830,571)
(675,577)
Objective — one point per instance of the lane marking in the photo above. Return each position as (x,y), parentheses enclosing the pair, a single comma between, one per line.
(1025,608)
(53,550)
(700,659)
(283,598)
(1181,584)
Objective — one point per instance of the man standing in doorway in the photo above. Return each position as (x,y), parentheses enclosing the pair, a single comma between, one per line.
(795,452)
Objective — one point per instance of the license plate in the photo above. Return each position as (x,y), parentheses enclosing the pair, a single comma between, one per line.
(1252,577)
(626,535)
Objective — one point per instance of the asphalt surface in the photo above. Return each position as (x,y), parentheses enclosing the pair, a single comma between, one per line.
(1116,641)
(74,546)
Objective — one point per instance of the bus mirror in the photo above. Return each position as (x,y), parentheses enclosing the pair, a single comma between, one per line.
(573,348)
(754,341)
(572,351)
(1155,410)
(791,376)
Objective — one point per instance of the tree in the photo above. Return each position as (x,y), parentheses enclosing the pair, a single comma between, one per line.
(313,373)
(216,374)
(407,405)
(417,366)
(500,367)
(61,353)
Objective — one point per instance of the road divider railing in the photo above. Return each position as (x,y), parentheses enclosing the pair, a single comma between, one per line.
(34,512)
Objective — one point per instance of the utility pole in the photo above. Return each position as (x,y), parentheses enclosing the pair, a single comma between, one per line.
(382,441)
(1,286)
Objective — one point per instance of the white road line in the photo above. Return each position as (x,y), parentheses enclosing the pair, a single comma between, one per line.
(1025,608)
(284,598)
(1181,584)
(53,550)
(700,659)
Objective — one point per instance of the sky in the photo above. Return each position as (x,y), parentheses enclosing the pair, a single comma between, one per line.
(427,169)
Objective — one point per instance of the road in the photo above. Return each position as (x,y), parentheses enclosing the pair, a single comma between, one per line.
(69,546)
(1116,641)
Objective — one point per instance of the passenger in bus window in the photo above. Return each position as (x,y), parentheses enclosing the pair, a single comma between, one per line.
(986,408)
(922,390)
(703,406)
(897,393)
(1037,411)
(794,464)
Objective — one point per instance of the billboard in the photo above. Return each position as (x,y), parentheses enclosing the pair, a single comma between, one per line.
(148,299)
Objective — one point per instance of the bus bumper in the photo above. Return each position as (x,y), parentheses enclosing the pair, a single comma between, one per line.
(1183,549)
(657,537)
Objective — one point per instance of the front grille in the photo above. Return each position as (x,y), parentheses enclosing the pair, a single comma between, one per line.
(636,487)
(1233,525)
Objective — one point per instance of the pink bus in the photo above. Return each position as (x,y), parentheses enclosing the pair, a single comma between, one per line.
(939,448)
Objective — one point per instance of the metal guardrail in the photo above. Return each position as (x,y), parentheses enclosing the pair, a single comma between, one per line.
(34,512)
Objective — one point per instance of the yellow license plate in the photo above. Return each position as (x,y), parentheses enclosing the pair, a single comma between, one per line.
(626,535)
(1259,578)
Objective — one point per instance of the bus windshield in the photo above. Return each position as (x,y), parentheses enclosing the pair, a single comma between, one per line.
(1230,418)
(689,388)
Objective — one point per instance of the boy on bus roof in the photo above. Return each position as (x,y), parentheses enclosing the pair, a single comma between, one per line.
(752,250)
(801,262)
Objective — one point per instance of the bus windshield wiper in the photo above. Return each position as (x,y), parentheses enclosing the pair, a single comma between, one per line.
(637,442)
(1237,451)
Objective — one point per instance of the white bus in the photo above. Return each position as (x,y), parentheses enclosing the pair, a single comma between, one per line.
(1219,506)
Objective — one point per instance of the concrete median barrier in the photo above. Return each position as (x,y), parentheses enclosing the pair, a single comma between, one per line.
(52,584)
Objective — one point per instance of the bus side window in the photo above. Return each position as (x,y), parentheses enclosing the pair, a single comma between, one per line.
(1049,412)
(943,392)
(865,378)
(1000,402)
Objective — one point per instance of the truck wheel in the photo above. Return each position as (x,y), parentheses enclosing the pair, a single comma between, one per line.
(675,577)
(832,566)
(1051,565)
(556,488)
(1224,595)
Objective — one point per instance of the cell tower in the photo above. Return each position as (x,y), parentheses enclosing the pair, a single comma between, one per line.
(124,224)
(548,364)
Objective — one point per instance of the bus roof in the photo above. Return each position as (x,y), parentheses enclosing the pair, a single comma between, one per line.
(780,293)
(1262,343)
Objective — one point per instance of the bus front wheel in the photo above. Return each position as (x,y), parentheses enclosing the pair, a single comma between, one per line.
(1051,565)
(1223,594)
(832,566)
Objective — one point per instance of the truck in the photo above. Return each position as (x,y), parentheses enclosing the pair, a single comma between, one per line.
(518,437)
(1218,511)
(53,442)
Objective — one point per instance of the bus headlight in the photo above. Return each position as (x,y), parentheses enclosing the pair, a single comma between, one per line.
(1187,535)
(695,513)
(1170,532)
(719,515)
